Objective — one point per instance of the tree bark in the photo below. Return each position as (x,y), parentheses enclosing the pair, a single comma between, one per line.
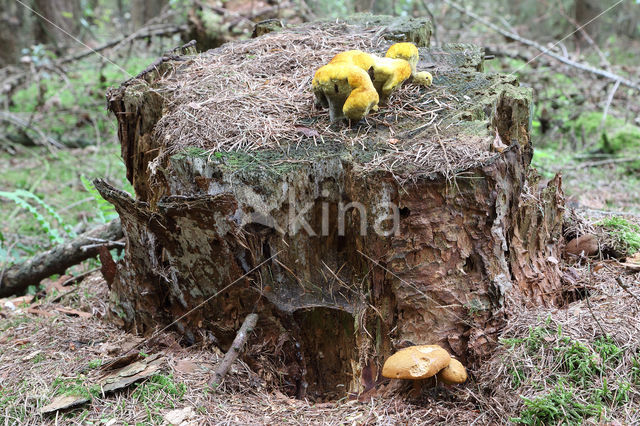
(15,31)
(55,21)
(17,278)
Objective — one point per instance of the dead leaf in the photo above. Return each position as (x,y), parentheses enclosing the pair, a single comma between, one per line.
(17,301)
(108,266)
(40,312)
(58,284)
(63,401)
(392,141)
(71,311)
(177,417)
(186,366)
(31,356)
(131,373)
(310,133)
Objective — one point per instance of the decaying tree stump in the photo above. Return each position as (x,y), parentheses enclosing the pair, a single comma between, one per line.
(416,225)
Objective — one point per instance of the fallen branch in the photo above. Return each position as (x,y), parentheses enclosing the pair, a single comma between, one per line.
(544,50)
(16,279)
(235,349)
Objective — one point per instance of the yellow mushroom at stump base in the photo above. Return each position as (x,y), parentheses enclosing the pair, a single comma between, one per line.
(453,374)
(416,362)
(346,90)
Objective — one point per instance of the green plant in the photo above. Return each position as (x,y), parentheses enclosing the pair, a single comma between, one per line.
(94,363)
(626,234)
(21,198)
(74,386)
(557,406)
(105,211)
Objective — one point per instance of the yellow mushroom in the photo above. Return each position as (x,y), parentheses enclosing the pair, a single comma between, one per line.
(453,374)
(406,51)
(423,78)
(354,57)
(409,52)
(389,74)
(346,90)
(416,362)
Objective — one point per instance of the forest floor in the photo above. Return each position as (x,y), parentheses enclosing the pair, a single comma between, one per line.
(580,361)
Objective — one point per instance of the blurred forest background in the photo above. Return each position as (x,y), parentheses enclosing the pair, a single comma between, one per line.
(58,57)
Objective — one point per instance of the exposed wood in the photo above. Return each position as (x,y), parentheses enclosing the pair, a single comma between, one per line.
(236,348)
(17,278)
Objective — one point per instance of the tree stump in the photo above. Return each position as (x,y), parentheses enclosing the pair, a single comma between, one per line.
(415,226)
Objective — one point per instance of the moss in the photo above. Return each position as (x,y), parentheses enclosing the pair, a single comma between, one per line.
(615,136)
(625,233)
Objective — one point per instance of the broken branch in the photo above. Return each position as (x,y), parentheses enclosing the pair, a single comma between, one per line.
(17,278)
(235,349)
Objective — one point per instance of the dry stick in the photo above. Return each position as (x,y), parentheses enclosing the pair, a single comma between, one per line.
(606,107)
(236,347)
(544,50)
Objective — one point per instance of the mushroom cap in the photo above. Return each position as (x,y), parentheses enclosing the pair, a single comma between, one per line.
(423,78)
(407,51)
(354,57)
(389,74)
(346,89)
(416,362)
(454,373)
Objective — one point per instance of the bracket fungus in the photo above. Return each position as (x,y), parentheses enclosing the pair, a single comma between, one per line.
(416,362)
(453,374)
(346,90)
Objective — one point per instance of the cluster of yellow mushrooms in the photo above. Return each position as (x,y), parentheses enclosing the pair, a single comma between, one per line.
(422,362)
(354,82)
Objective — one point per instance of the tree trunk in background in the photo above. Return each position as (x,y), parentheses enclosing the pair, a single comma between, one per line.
(144,10)
(15,31)
(585,11)
(65,14)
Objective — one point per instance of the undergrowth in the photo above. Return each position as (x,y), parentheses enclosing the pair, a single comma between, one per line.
(571,380)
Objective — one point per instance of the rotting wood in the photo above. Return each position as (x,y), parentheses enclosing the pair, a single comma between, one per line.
(236,348)
(16,279)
